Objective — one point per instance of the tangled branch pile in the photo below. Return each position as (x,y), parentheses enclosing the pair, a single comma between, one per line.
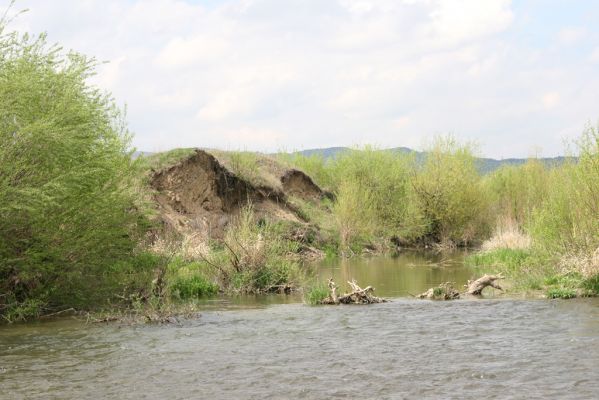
(356,296)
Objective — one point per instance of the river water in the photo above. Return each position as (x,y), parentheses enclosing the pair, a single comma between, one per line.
(276,348)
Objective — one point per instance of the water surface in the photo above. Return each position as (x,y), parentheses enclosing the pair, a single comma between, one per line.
(490,348)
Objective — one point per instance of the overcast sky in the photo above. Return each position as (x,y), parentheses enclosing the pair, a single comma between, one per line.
(518,77)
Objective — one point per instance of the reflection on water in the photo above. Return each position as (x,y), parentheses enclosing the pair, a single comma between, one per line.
(401,276)
(244,348)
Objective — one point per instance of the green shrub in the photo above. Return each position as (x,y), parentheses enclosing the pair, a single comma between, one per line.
(69,209)
(255,257)
(515,192)
(449,194)
(316,294)
(567,223)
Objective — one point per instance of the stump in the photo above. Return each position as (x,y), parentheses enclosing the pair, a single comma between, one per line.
(476,287)
(356,296)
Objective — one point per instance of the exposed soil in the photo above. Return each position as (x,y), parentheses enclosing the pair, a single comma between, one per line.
(297,183)
(199,195)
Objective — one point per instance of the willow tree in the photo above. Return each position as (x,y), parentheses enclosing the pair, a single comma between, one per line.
(448,192)
(68,221)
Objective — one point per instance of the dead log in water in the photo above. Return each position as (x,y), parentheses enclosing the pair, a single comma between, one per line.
(476,287)
(356,296)
(445,291)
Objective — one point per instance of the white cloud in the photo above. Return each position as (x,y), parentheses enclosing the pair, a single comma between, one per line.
(266,74)
(461,20)
(571,35)
(200,49)
(550,100)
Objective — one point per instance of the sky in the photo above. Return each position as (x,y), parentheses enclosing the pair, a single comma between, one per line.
(517,78)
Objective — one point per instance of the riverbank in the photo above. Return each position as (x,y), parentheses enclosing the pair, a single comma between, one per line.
(529,271)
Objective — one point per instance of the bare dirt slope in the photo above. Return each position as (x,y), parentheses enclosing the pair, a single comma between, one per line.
(200,195)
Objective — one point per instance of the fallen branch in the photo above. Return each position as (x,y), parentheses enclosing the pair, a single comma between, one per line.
(476,287)
(446,291)
(356,296)
(57,313)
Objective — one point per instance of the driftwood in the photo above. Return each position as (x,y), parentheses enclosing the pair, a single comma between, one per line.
(476,287)
(445,291)
(356,296)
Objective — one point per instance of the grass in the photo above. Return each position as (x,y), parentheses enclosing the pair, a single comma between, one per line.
(315,294)
(164,159)
(189,280)
(561,293)
(507,235)
(529,271)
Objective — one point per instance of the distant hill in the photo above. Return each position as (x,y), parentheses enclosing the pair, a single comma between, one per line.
(485,165)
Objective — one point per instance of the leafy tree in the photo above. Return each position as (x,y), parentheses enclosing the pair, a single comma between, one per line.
(68,220)
(448,192)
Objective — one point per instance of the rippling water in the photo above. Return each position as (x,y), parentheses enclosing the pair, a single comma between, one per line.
(404,349)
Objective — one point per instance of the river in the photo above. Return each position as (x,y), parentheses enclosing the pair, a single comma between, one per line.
(277,348)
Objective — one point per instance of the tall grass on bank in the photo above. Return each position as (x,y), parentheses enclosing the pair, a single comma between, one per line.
(562,222)
(253,257)
(507,235)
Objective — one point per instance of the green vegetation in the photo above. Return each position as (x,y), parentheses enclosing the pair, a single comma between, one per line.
(316,294)
(244,164)
(546,218)
(255,257)
(162,160)
(70,219)
(188,280)
(382,195)
(449,194)
(75,207)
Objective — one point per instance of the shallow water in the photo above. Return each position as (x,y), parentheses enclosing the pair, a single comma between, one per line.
(490,348)
(401,276)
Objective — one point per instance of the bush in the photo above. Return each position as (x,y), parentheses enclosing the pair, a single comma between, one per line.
(255,257)
(517,191)
(568,221)
(449,194)
(68,212)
